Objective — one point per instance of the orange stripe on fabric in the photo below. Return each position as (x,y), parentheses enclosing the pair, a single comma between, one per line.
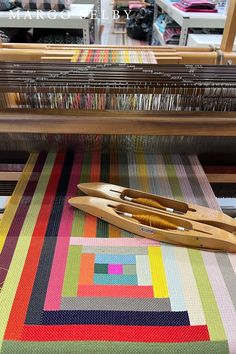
(86,269)
(125,291)
(90,223)
(114,173)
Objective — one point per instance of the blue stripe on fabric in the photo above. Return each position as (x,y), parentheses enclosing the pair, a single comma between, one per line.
(115,279)
(115,259)
(173,279)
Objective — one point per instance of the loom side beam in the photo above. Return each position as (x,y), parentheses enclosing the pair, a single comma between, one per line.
(229,33)
(106,122)
(183,55)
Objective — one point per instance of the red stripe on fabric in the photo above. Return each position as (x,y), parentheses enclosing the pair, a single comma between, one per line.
(21,301)
(45,211)
(90,223)
(126,291)
(167,334)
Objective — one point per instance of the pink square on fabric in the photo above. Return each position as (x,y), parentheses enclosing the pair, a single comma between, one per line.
(115,269)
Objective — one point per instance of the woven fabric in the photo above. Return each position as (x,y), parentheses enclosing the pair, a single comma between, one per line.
(75,284)
(113,56)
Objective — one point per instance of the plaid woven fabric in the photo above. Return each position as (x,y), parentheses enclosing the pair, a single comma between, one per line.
(47,5)
(75,284)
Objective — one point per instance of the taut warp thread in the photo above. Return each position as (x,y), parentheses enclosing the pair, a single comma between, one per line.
(93,86)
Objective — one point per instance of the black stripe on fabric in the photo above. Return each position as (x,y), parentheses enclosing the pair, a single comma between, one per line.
(126,318)
(37,299)
(102,226)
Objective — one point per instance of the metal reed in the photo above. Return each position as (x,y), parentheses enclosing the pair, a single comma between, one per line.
(134,87)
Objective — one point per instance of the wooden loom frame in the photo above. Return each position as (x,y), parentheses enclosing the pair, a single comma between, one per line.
(138,123)
(163,54)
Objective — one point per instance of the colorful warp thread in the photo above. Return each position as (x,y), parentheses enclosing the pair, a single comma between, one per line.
(76,284)
(98,101)
(113,56)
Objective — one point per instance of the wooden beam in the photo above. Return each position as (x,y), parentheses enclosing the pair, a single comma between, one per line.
(221,177)
(66,54)
(121,123)
(230,28)
(10,176)
(97,46)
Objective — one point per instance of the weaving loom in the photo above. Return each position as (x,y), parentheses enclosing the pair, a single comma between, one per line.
(71,283)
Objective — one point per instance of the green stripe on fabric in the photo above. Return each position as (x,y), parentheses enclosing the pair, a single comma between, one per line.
(100,268)
(172,177)
(91,347)
(71,279)
(129,269)
(209,305)
(78,220)
(10,286)
(102,226)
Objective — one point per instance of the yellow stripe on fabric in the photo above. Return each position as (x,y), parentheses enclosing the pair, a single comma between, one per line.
(140,58)
(143,172)
(9,288)
(15,199)
(75,57)
(126,56)
(159,282)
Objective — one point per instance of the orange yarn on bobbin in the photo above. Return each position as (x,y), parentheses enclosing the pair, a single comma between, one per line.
(155,221)
(149,202)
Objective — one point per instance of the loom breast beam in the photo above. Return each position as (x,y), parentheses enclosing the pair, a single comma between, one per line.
(167,206)
(125,216)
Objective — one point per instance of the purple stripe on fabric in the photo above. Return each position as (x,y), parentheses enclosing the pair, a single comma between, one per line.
(11,167)
(205,185)
(183,179)
(232,258)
